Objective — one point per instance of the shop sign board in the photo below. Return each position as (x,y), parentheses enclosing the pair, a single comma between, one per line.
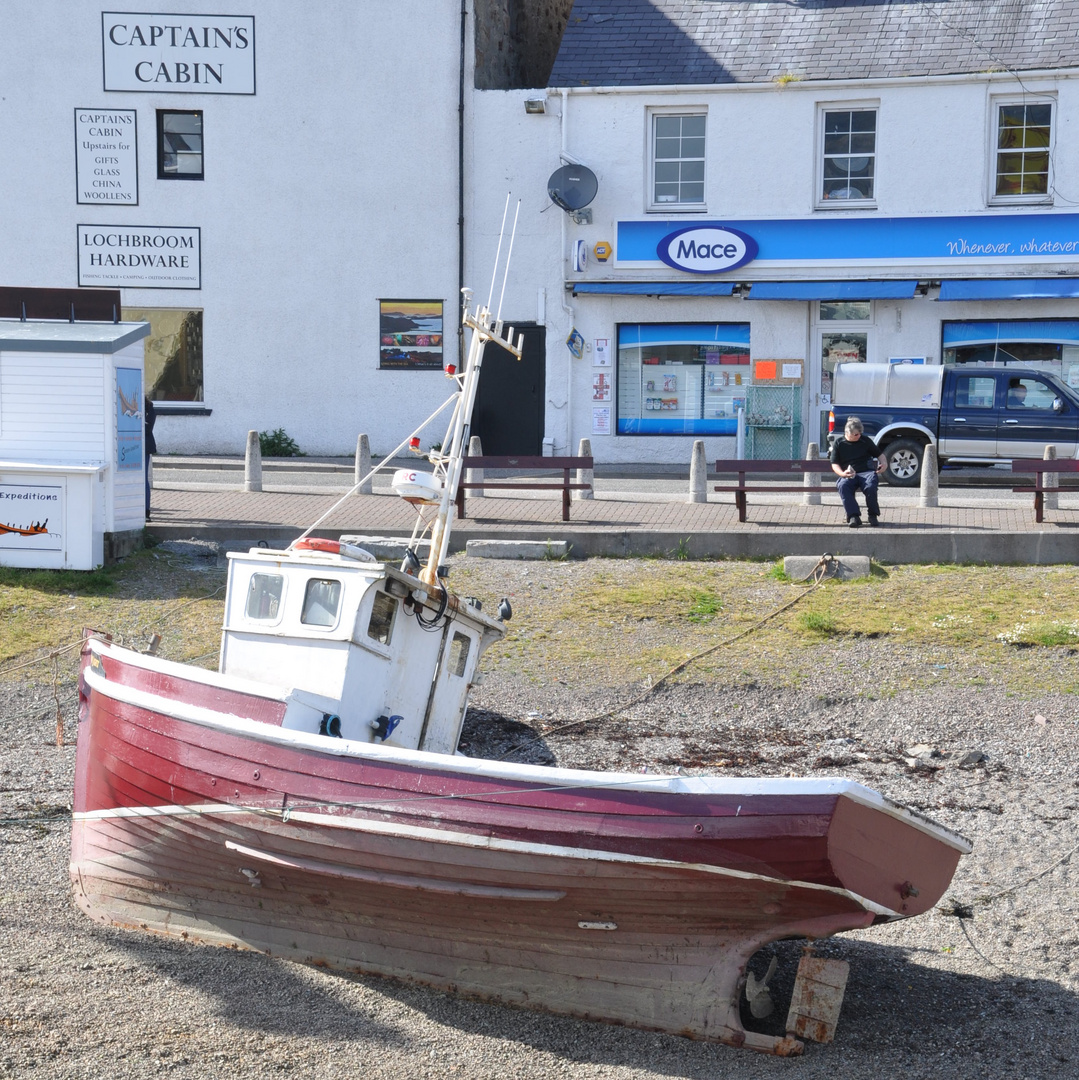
(707,249)
(178,54)
(31,517)
(106,156)
(140,256)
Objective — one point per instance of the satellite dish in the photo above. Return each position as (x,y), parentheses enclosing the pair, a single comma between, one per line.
(572,187)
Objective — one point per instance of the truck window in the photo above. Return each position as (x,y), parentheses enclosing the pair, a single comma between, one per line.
(1029,394)
(975,391)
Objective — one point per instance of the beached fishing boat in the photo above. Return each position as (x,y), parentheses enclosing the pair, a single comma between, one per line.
(307,799)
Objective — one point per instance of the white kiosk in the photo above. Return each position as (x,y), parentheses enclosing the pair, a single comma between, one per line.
(72,488)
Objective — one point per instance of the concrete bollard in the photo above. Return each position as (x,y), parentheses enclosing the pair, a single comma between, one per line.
(698,474)
(812,498)
(1051,500)
(474,476)
(363,466)
(584,476)
(253,463)
(927,493)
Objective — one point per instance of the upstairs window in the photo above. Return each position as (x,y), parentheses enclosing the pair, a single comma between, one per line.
(849,156)
(1023,146)
(677,161)
(179,145)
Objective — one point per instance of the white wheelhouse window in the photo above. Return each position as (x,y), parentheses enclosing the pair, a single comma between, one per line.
(676,154)
(1022,150)
(847,173)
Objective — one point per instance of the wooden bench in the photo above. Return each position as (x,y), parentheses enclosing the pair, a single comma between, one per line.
(779,468)
(525,464)
(1039,468)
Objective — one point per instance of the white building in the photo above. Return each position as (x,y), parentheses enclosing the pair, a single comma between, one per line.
(782,187)
(293,195)
(277,191)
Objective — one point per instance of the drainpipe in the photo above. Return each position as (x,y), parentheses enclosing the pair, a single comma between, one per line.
(461,183)
(567,308)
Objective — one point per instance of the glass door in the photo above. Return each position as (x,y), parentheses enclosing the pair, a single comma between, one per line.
(843,335)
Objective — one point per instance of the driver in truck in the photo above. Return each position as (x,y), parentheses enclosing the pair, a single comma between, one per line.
(858,463)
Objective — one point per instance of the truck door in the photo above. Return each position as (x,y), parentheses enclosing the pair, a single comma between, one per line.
(968,416)
(1027,421)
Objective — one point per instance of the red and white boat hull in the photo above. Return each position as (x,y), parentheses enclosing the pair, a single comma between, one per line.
(636,900)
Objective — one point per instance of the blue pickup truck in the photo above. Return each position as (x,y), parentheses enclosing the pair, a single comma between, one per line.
(971,414)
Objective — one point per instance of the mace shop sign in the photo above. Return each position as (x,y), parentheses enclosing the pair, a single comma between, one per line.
(140,256)
(106,156)
(178,54)
(707,249)
(995,240)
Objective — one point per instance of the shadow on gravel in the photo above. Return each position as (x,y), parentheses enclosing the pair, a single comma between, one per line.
(491,735)
(912,1020)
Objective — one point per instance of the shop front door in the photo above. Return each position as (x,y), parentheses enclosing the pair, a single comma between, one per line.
(508,414)
(842,334)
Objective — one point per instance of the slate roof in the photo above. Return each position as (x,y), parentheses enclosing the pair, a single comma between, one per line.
(675,42)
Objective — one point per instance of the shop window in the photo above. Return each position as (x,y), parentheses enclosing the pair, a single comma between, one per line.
(1043,344)
(848,156)
(173,352)
(682,378)
(1022,152)
(321,601)
(179,145)
(677,160)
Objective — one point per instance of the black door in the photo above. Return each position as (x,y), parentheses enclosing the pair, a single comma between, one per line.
(508,415)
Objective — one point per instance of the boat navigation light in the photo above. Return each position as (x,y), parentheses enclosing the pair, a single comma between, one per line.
(414,443)
(451,370)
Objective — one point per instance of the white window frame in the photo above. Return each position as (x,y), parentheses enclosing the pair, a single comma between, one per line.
(651,204)
(819,201)
(996,102)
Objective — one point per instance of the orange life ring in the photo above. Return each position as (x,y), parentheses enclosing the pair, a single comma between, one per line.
(318,543)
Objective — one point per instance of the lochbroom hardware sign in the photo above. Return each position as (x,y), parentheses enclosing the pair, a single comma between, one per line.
(106,156)
(178,54)
(140,256)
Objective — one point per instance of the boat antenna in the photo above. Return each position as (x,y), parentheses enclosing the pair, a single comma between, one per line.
(483,329)
(498,253)
(509,255)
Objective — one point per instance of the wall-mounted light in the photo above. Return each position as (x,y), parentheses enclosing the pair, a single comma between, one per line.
(535,105)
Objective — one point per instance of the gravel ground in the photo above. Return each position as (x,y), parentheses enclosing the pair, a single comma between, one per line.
(986,986)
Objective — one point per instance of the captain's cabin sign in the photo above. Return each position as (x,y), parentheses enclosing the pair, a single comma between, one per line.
(178,54)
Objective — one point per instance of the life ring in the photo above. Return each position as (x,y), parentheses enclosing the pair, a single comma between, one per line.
(334,547)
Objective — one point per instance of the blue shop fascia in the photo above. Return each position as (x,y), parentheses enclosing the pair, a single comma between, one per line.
(989,288)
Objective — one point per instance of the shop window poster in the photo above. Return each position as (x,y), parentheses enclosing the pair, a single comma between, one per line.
(129,418)
(410,335)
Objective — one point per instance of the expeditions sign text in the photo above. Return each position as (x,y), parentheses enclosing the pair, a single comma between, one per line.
(179,54)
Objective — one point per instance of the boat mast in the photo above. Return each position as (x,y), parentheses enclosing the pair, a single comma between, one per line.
(483,329)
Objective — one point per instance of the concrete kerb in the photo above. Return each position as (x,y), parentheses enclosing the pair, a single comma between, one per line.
(885,546)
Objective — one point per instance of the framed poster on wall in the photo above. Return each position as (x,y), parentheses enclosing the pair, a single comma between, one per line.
(410,335)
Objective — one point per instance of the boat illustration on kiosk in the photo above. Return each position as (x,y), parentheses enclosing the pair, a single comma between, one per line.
(308,800)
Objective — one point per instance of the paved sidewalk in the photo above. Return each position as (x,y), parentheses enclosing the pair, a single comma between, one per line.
(639,517)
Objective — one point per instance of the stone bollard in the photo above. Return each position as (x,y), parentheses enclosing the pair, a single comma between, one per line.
(927,493)
(584,476)
(1051,499)
(474,476)
(698,474)
(363,466)
(253,463)
(812,498)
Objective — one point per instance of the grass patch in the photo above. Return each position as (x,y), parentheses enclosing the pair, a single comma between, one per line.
(822,623)
(705,607)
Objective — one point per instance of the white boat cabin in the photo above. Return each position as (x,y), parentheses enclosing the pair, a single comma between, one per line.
(371,652)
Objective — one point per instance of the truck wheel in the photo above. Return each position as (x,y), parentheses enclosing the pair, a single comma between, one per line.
(904,462)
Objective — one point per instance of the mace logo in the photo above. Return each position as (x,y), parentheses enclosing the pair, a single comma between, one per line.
(707,249)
